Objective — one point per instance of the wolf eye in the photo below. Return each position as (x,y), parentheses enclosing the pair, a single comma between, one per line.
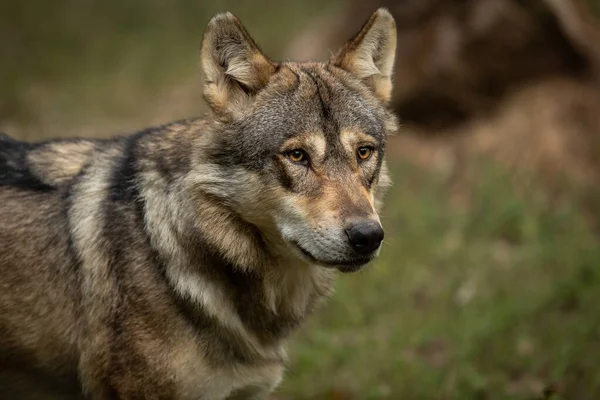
(297,156)
(364,153)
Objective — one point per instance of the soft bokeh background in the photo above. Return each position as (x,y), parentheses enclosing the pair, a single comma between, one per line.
(488,286)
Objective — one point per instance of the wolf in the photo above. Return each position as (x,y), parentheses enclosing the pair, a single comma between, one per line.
(174,263)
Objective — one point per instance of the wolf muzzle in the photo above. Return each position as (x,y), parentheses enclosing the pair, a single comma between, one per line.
(365,237)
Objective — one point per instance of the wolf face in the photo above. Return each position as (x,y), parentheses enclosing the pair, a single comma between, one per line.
(307,139)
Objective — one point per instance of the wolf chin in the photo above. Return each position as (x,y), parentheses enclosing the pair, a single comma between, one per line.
(174,263)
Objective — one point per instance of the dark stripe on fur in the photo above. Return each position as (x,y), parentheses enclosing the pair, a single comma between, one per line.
(297,83)
(284,179)
(123,180)
(122,231)
(324,109)
(331,126)
(268,327)
(245,289)
(222,345)
(14,169)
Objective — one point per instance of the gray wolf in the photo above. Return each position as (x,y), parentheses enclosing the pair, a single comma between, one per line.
(174,263)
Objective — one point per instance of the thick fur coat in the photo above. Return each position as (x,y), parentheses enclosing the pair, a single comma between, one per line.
(173,263)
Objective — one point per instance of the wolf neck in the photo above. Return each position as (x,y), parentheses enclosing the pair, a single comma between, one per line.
(220,264)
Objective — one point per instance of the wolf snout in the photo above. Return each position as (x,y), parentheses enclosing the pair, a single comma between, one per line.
(365,236)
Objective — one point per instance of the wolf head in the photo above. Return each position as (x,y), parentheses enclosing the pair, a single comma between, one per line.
(299,147)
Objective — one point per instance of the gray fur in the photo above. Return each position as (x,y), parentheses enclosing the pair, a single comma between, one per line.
(174,263)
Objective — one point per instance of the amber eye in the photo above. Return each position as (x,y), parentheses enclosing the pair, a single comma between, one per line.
(297,156)
(364,153)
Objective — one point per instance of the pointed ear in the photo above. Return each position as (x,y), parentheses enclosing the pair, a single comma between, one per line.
(370,54)
(234,67)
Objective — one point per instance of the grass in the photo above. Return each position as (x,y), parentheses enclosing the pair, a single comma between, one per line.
(499,301)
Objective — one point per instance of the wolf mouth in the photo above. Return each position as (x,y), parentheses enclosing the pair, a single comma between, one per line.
(342,265)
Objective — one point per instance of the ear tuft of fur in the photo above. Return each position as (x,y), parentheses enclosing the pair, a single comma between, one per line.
(371,53)
(234,67)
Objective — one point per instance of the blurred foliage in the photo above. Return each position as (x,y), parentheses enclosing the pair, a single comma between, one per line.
(76,48)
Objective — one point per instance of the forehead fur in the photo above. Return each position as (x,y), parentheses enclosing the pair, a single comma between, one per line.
(303,98)
(319,96)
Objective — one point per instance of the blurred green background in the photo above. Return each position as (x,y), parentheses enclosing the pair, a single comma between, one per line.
(488,286)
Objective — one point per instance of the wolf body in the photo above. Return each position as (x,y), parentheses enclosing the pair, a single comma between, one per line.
(173,263)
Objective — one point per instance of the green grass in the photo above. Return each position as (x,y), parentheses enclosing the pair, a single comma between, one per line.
(498,301)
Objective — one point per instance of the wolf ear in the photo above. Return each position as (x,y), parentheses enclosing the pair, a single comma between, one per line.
(234,67)
(370,54)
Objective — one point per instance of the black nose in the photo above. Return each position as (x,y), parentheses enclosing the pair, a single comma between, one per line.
(365,237)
